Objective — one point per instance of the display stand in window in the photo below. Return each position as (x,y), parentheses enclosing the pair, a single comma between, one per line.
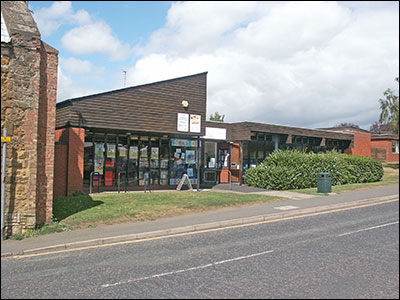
(183,161)
(154,165)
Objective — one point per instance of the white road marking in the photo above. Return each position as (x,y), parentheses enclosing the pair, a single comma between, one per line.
(287,207)
(370,228)
(186,270)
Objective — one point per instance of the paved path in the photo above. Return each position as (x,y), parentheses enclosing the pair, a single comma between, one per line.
(296,205)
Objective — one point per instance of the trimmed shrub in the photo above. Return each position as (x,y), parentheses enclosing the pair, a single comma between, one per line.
(292,169)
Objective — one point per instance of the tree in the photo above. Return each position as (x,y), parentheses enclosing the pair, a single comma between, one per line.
(217,117)
(347,125)
(390,109)
(381,128)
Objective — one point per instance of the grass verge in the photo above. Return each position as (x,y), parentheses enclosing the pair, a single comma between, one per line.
(83,211)
(390,177)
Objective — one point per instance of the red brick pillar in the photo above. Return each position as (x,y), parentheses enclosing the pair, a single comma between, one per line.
(76,150)
(46,127)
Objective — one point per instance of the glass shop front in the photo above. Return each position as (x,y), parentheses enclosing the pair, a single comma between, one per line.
(135,160)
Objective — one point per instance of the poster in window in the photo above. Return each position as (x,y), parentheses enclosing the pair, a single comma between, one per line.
(211,164)
(154,153)
(190,156)
(190,172)
(143,152)
(195,123)
(122,151)
(183,122)
(99,158)
(111,150)
(133,152)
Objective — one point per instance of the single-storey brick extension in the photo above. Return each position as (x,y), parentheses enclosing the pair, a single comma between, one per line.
(153,134)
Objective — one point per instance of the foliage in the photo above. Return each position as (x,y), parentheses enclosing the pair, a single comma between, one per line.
(347,125)
(381,128)
(217,117)
(292,169)
(390,109)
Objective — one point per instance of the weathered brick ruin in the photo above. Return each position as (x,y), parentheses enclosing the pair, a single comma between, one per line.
(28,102)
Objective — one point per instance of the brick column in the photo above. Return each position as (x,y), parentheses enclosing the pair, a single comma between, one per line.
(76,150)
(46,128)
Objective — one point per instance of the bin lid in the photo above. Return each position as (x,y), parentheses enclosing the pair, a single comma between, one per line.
(324,174)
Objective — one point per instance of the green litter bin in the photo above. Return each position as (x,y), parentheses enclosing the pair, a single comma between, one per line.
(324,182)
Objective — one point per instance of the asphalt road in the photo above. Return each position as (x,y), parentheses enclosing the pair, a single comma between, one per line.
(344,254)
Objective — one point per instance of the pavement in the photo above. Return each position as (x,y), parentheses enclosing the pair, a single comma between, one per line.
(294,205)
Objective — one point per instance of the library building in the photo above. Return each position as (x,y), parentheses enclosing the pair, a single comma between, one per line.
(152,136)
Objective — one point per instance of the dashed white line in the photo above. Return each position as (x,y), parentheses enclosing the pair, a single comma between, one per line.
(186,270)
(369,228)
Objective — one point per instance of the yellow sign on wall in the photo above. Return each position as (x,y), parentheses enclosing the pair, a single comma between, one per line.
(6,139)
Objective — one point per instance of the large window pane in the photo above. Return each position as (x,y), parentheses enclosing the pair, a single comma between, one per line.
(210,155)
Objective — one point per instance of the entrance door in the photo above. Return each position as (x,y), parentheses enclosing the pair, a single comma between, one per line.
(210,166)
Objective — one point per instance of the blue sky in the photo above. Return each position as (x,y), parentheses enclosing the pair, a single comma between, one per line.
(307,64)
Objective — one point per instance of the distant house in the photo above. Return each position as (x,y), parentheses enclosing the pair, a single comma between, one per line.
(28,104)
(384,147)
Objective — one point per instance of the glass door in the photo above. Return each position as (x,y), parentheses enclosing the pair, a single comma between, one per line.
(210,163)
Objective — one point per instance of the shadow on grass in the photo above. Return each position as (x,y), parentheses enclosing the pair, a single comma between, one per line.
(64,207)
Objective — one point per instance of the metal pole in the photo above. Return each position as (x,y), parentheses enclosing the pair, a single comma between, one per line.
(119,182)
(3,184)
(90,182)
(198,163)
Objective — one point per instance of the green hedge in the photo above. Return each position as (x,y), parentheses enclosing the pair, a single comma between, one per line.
(292,169)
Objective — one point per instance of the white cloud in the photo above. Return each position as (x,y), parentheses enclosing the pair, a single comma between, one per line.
(49,19)
(78,66)
(68,88)
(95,38)
(290,63)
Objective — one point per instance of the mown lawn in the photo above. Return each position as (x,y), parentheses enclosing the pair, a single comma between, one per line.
(390,177)
(83,211)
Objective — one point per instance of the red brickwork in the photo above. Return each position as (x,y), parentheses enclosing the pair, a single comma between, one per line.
(387,145)
(75,159)
(68,166)
(47,108)
(362,144)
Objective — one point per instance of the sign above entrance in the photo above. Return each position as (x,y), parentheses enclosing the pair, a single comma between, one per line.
(214,133)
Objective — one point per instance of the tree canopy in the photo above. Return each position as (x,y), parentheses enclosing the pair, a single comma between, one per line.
(347,125)
(217,117)
(390,109)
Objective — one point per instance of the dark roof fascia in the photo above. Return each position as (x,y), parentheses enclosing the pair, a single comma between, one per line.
(290,130)
(102,130)
(69,101)
(384,137)
(344,128)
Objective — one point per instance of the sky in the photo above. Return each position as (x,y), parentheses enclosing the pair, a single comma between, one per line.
(303,64)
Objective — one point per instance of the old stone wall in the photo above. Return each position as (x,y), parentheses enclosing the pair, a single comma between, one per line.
(28,100)
(20,77)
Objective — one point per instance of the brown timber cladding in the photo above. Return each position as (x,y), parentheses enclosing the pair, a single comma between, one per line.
(242,131)
(151,108)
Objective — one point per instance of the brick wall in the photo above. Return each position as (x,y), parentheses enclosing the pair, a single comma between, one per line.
(46,127)
(20,77)
(387,145)
(69,156)
(28,96)
(362,144)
